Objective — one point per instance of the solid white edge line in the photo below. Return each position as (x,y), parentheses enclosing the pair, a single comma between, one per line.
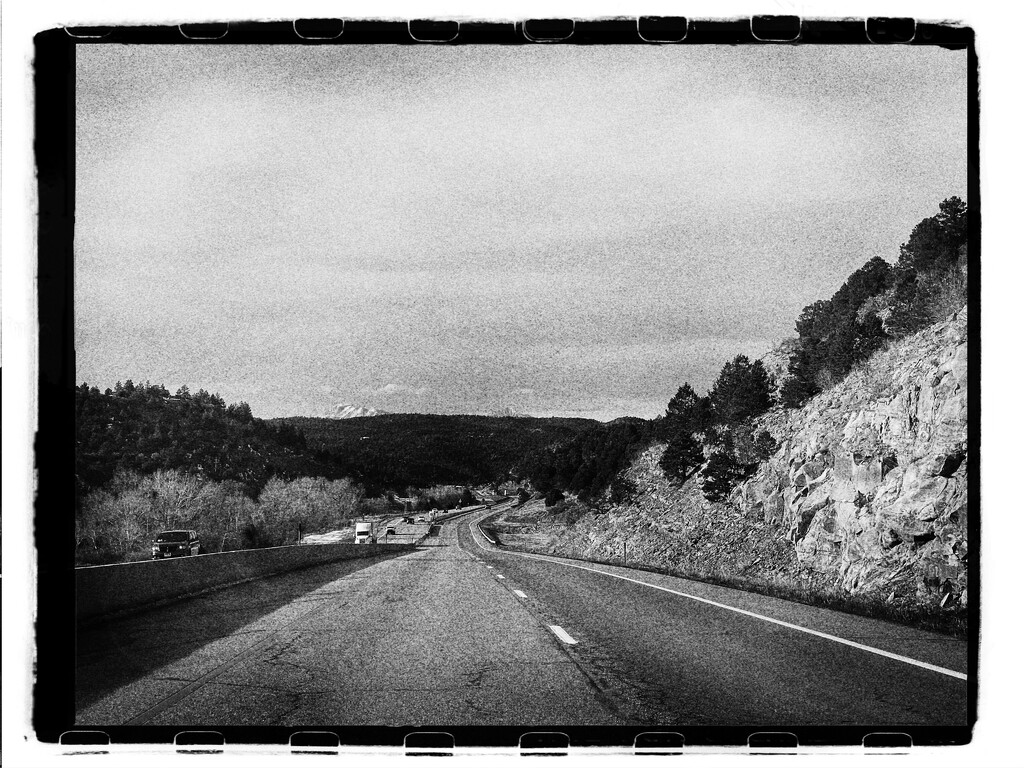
(520,593)
(473,530)
(562,635)
(816,633)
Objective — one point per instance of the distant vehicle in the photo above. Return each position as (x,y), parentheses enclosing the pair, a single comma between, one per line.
(176,544)
(420,519)
(365,533)
(390,531)
(409,520)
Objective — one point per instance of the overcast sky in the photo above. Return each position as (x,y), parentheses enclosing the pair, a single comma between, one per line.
(561,230)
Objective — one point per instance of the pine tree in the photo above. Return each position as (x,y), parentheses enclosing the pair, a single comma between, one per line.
(742,391)
(682,456)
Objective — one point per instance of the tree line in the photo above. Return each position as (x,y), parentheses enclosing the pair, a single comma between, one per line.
(712,436)
(392,451)
(879,303)
(147,461)
(144,428)
(118,521)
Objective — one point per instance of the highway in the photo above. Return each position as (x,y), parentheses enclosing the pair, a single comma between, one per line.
(459,632)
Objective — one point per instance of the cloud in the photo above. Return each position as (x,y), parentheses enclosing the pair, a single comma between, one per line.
(445,227)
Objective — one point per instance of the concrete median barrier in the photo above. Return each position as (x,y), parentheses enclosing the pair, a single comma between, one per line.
(105,589)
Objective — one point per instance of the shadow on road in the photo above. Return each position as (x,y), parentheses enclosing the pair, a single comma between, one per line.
(112,654)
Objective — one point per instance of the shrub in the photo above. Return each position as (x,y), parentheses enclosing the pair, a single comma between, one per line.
(552,497)
(119,521)
(681,457)
(306,505)
(621,490)
(568,512)
(719,475)
(795,392)
(746,447)
(765,445)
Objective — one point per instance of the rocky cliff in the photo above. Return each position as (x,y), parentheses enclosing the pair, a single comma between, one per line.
(866,495)
(870,482)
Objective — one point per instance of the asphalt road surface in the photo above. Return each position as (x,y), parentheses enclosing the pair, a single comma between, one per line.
(459,632)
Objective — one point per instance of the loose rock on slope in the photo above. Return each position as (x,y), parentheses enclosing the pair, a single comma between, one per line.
(870,482)
(866,495)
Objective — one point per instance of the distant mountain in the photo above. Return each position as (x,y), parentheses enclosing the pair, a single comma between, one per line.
(347,411)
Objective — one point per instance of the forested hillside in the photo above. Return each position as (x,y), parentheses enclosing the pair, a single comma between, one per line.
(143,428)
(398,450)
(715,435)
(850,487)
(588,462)
(147,461)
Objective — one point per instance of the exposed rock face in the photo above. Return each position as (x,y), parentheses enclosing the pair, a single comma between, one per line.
(870,482)
(675,527)
(867,492)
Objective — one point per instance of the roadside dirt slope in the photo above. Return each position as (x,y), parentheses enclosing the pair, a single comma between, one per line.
(867,494)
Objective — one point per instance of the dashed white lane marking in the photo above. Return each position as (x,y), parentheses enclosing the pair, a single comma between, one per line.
(500,576)
(797,627)
(562,635)
(520,593)
(491,567)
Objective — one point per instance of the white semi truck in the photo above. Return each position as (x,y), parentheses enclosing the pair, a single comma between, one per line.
(365,533)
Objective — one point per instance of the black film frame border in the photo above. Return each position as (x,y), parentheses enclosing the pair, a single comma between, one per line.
(53,699)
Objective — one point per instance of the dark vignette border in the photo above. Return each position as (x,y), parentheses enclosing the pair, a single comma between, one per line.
(53,696)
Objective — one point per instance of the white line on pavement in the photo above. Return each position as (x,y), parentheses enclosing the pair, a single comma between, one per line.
(500,576)
(562,635)
(473,529)
(520,593)
(491,567)
(826,636)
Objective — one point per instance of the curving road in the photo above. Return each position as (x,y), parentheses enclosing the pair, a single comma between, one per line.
(459,632)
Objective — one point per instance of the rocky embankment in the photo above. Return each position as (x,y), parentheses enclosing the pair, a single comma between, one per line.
(870,482)
(867,494)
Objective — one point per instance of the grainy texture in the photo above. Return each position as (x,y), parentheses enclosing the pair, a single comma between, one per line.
(108,588)
(870,481)
(867,494)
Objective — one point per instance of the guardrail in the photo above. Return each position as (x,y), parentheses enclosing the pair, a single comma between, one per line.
(105,589)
